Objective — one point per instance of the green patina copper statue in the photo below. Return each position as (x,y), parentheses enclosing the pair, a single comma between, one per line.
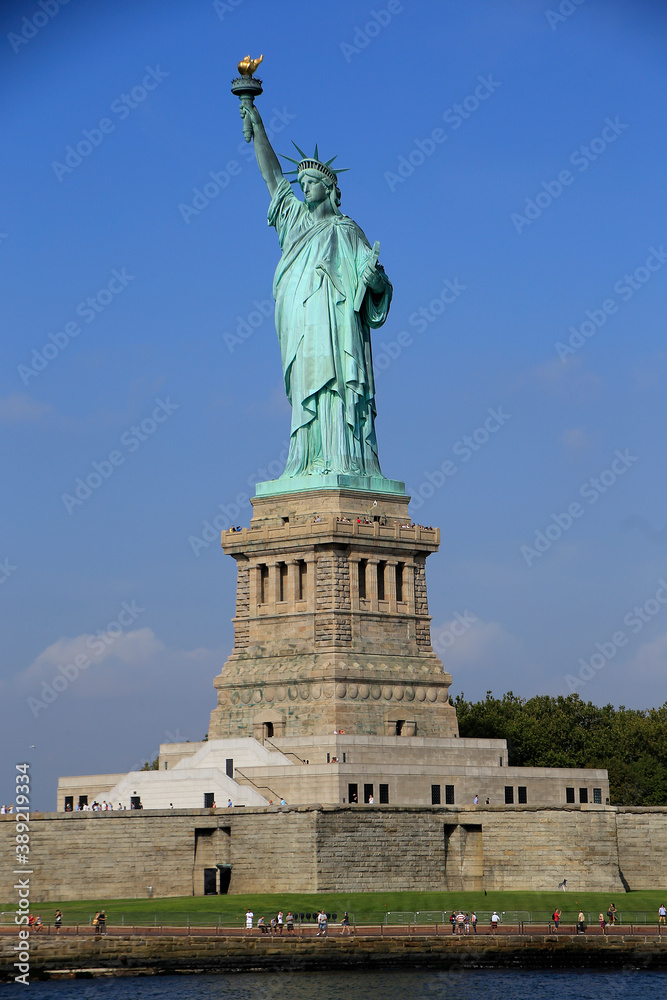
(330,292)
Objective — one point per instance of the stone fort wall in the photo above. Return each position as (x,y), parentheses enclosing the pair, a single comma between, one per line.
(344,848)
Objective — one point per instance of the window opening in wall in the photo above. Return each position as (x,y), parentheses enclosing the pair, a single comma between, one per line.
(523,795)
(569,794)
(303,570)
(282,581)
(344,757)
(368,793)
(500,762)
(509,795)
(362,578)
(229,767)
(399,581)
(384,795)
(268,730)
(352,794)
(263,583)
(286,520)
(435,795)
(166,764)
(399,726)
(69,803)
(583,795)
(597,796)
(83,801)
(209,799)
(449,795)
(381,571)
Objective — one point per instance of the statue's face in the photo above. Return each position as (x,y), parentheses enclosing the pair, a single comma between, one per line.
(314,190)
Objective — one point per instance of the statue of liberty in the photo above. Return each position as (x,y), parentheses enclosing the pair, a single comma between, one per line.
(329,292)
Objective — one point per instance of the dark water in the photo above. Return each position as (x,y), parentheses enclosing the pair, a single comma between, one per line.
(474,985)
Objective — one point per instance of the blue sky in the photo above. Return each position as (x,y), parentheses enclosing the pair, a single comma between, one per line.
(510,159)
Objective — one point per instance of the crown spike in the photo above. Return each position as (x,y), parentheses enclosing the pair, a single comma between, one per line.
(316,155)
(304,156)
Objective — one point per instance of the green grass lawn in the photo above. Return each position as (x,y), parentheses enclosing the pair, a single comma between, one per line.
(364,907)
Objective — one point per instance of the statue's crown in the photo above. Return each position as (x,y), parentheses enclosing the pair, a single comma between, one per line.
(313,163)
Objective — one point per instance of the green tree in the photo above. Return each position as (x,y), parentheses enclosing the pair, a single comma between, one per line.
(548,731)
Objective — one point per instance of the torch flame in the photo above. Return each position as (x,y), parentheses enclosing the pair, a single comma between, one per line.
(247,66)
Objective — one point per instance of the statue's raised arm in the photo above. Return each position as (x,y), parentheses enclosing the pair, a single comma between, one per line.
(266,158)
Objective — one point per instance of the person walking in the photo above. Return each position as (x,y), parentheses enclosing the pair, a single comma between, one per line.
(473,921)
(603,922)
(556,918)
(495,919)
(662,913)
(581,923)
(58,920)
(249,916)
(345,924)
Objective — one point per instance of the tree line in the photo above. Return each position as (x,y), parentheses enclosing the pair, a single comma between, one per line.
(567,732)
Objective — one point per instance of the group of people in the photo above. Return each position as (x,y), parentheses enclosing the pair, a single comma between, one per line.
(462,922)
(100,923)
(36,924)
(286,921)
(103,806)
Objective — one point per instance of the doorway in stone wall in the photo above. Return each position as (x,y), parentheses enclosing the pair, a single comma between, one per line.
(210,881)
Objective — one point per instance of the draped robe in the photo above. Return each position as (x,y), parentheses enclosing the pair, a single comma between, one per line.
(325,344)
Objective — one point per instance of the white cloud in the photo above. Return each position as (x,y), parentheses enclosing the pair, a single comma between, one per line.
(576,439)
(483,646)
(564,379)
(650,661)
(20,408)
(117,665)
